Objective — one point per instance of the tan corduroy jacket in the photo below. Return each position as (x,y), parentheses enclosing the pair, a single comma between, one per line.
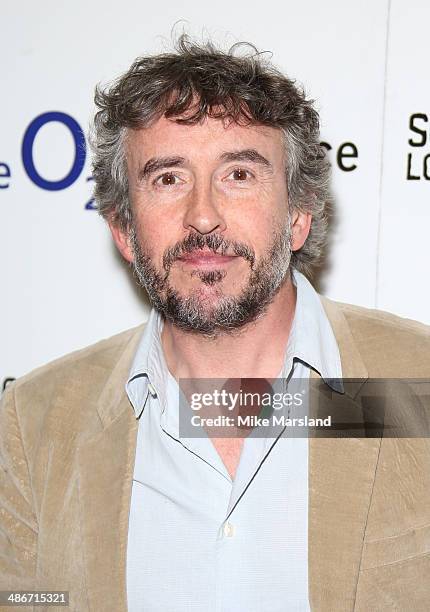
(67,445)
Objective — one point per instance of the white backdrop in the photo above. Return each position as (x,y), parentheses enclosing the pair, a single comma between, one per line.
(365,63)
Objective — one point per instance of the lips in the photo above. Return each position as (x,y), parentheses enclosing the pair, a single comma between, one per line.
(206,258)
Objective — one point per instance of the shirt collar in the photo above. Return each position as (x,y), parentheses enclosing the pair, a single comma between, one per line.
(311,340)
(149,372)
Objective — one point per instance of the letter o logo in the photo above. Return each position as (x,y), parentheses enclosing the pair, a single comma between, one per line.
(27,150)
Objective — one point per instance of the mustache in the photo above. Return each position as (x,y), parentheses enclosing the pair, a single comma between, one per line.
(214,242)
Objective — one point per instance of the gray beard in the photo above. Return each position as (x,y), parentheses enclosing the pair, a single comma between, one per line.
(228,313)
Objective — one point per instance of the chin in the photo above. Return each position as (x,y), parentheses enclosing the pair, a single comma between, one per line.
(208,296)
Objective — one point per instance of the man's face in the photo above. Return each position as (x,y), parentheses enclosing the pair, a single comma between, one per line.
(211,230)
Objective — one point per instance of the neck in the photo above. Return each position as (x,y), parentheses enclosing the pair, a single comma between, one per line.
(255,351)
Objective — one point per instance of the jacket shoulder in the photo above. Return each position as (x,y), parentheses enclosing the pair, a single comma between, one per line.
(383,319)
(101,354)
(72,382)
(391,346)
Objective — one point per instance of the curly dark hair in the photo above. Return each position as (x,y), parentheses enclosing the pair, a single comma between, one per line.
(198,80)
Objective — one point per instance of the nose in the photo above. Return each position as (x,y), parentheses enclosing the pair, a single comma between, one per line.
(203,214)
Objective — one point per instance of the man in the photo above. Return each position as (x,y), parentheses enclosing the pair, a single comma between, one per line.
(209,172)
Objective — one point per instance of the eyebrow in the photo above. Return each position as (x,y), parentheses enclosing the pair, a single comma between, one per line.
(160,163)
(249,155)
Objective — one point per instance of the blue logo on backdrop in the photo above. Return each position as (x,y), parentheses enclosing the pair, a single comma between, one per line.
(80,150)
(79,156)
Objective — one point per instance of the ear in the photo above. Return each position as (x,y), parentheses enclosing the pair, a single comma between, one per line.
(300,227)
(122,241)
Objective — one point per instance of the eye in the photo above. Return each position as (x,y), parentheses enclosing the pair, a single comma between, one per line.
(240,175)
(168,179)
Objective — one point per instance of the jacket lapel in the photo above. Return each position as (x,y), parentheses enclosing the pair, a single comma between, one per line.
(106,463)
(341,475)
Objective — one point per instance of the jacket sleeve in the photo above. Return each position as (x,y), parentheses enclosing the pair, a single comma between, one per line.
(18,524)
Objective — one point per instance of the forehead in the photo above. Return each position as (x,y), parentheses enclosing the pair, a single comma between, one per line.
(207,139)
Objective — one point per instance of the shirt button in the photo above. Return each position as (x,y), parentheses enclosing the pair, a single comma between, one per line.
(152,390)
(228,530)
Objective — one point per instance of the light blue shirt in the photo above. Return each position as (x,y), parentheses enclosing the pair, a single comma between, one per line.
(197,540)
